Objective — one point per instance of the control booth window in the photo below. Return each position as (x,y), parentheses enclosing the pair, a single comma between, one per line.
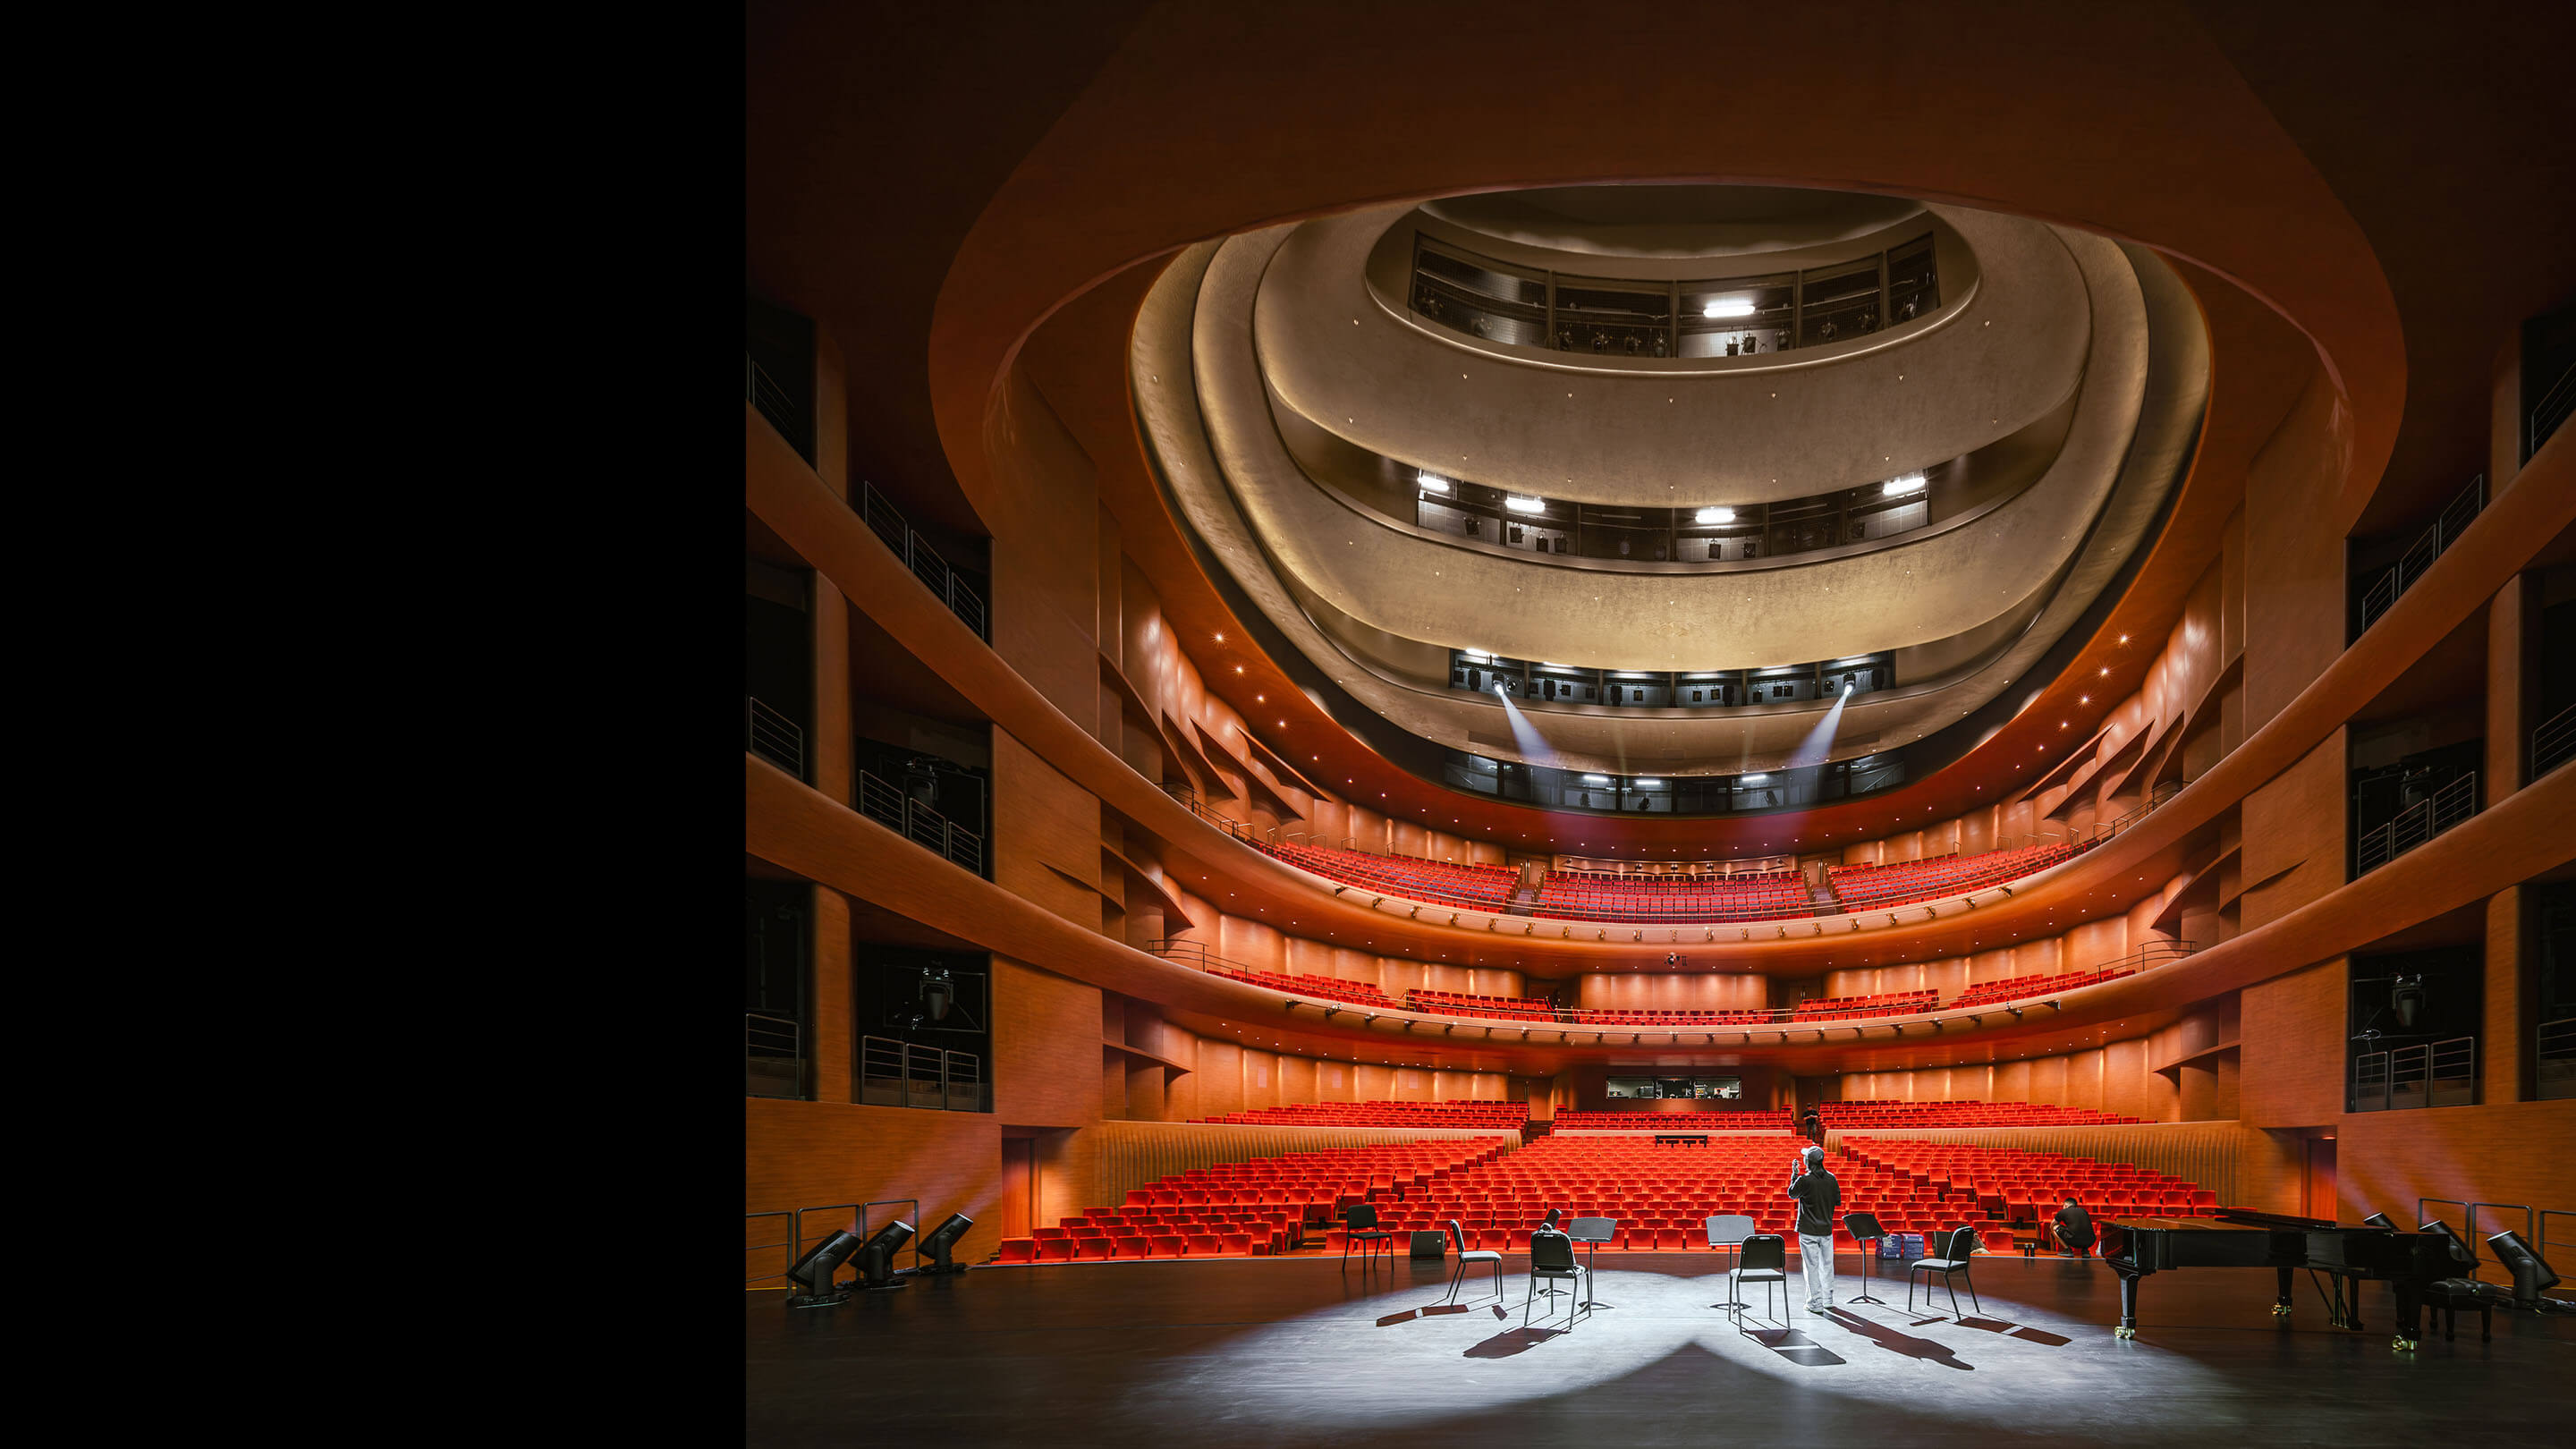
(1707,1089)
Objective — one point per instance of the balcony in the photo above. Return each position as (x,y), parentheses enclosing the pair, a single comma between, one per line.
(2424,1074)
(918,823)
(2417,823)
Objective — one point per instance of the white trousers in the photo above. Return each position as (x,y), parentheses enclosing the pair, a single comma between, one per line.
(1816,1260)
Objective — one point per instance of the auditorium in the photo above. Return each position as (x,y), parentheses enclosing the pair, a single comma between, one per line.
(1413,775)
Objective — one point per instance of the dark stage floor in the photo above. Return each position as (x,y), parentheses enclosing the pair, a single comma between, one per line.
(1297,1352)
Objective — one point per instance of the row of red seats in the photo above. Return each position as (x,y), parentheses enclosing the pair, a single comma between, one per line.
(2020,1186)
(1385,1114)
(1483,887)
(1730,898)
(1867,887)
(1500,1008)
(1961,1113)
(1844,1008)
(1712,1120)
(1673,1018)
(1330,988)
(1260,1206)
(2017,988)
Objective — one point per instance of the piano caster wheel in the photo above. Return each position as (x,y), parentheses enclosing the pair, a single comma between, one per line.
(2280,1310)
(2124,1333)
(2402,1345)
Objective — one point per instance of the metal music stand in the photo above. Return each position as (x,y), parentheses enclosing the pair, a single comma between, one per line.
(1592,1233)
(1865,1227)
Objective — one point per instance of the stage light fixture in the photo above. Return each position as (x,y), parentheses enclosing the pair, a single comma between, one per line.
(939,1244)
(2406,998)
(813,1272)
(876,1256)
(2530,1274)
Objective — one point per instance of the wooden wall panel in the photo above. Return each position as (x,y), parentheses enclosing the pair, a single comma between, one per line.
(2513,1152)
(2294,835)
(2294,588)
(1044,593)
(1046,1048)
(2294,1048)
(808,1154)
(1046,834)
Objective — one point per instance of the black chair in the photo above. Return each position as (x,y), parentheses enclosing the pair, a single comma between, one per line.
(1359,1225)
(1552,1258)
(1764,1259)
(1951,1251)
(1867,1232)
(1467,1255)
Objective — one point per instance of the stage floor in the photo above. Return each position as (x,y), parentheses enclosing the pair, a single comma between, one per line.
(1301,1351)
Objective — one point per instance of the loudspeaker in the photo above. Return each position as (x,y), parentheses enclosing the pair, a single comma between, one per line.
(1431,1245)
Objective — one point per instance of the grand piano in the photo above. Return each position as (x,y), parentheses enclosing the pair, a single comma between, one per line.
(2345,1257)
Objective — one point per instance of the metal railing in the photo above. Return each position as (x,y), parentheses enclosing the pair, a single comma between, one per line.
(773,736)
(2472,1235)
(1243,830)
(890,527)
(772,401)
(773,1055)
(2410,566)
(2417,823)
(2554,743)
(2552,409)
(862,1225)
(2424,1074)
(918,823)
(899,1074)
(789,1243)
(2554,1059)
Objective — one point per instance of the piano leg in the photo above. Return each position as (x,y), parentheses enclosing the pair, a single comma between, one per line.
(2410,1311)
(2281,1305)
(2129,1277)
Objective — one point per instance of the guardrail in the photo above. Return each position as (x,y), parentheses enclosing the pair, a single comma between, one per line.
(918,823)
(2417,823)
(2554,743)
(773,736)
(773,1055)
(2555,1058)
(764,394)
(935,573)
(899,1074)
(2423,1074)
(2454,519)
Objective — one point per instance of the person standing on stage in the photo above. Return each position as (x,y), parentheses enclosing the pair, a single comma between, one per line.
(1817,1195)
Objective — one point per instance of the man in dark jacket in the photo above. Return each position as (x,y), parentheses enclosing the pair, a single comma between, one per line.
(2075,1229)
(1817,1195)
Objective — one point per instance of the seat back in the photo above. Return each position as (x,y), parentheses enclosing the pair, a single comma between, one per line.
(1361,1217)
(1766,1250)
(1956,1243)
(1457,1237)
(1729,1228)
(1551,1252)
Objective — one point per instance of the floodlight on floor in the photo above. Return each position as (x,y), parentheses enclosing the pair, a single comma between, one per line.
(876,1257)
(942,1240)
(813,1272)
(2530,1274)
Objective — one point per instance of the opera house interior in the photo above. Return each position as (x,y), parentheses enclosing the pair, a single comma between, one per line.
(1413,775)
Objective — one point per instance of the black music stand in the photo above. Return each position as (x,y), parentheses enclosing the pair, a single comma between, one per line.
(1592,1233)
(1865,1227)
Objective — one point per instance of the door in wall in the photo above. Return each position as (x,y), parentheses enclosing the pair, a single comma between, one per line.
(2318,1199)
(1019,1186)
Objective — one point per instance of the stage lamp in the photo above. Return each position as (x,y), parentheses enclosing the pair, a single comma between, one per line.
(941,1241)
(2461,1252)
(876,1257)
(813,1272)
(2406,998)
(938,993)
(2530,1274)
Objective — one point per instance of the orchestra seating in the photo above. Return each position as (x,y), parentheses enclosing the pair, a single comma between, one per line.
(1671,1018)
(1874,1115)
(1499,1116)
(1500,1008)
(1868,887)
(1987,992)
(1849,1008)
(2014,1186)
(1713,1119)
(1728,898)
(1483,887)
(1258,1207)
(1329,988)
(1662,1195)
